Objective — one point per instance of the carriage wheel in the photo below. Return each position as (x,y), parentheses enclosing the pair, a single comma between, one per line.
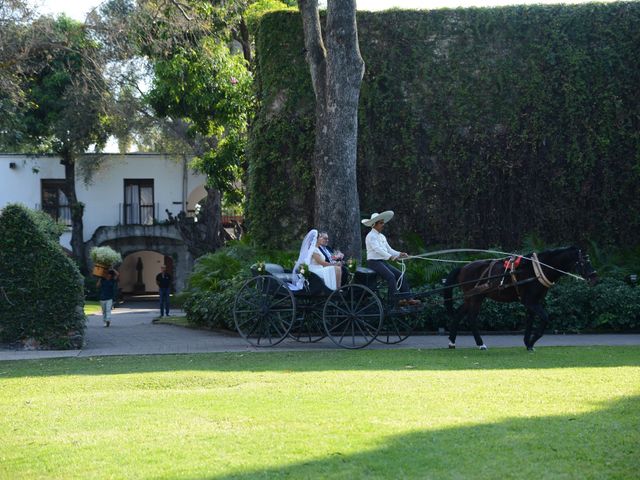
(395,329)
(264,311)
(352,316)
(308,327)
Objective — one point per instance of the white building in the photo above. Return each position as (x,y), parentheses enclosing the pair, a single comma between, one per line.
(126,198)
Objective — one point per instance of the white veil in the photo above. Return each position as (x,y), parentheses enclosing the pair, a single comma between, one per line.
(306,250)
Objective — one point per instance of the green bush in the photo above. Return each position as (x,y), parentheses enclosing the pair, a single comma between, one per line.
(217,278)
(573,307)
(90,288)
(43,290)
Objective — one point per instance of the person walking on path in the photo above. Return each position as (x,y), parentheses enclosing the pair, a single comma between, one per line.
(163,280)
(107,287)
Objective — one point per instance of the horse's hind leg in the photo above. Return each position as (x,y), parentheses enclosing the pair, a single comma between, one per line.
(453,324)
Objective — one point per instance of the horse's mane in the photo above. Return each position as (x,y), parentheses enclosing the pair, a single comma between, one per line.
(556,251)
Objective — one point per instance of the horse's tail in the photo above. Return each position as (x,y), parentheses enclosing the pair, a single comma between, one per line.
(449,285)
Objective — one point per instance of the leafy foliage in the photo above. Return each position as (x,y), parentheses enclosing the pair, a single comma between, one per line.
(497,123)
(42,297)
(573,307)
(217,278)
(105,256)
(66,99)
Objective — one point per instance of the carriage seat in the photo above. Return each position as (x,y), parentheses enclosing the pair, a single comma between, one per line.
(367,277)
(278,271)
(314,286)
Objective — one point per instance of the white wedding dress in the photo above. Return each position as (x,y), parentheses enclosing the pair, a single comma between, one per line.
(327,274)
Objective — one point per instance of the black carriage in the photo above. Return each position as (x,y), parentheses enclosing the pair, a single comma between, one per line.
(267,311)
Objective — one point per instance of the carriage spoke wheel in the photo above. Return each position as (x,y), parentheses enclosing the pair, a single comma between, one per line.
(264,311)
(352,316)
(395,328)
(308,327)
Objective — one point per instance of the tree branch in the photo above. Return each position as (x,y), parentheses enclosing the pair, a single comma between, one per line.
(316,53)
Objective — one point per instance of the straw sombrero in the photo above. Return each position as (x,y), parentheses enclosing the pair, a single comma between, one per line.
(376,217)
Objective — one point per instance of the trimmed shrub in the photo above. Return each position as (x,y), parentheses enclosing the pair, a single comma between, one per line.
(42,299)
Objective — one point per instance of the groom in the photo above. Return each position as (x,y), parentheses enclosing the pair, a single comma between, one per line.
(327,252)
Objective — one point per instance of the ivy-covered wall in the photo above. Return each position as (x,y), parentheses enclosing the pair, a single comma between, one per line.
(477,126)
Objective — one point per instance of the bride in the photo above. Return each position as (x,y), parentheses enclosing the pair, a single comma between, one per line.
(311,255)
(331,274)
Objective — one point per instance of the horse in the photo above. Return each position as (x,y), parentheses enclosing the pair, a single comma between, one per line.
(525,279)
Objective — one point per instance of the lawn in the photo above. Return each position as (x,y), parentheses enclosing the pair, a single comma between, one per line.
(570,413)
(92,307)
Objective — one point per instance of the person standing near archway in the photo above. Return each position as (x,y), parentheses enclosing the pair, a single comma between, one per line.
(163,280)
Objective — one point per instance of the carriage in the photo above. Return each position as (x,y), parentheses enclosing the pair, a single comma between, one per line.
(266,311)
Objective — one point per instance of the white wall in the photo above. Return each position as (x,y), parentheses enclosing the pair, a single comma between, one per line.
(104,193)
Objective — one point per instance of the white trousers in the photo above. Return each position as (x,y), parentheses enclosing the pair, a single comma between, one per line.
(106,309)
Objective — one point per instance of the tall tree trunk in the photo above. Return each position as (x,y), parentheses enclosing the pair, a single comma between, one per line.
(213,219)
(336,74)
(77,211)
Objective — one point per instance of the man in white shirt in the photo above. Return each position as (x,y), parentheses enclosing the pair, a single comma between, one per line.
(379,251)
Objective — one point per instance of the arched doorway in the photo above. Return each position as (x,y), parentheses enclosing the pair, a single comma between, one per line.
(139,269)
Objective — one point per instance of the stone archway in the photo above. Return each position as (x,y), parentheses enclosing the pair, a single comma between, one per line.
(164,240)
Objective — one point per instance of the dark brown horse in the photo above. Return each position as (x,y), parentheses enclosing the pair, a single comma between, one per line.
(499,280)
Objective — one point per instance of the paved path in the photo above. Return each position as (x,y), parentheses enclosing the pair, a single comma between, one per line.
(133,333)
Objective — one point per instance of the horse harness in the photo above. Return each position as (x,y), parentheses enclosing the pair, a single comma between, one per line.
(510,266)
(537,268)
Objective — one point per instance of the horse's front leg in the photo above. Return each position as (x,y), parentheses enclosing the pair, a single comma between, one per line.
(539,331)
(473,323)
(528,326)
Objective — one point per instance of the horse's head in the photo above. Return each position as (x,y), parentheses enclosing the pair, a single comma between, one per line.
(585,269)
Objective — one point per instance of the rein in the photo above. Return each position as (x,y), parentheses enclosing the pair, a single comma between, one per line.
(534,260)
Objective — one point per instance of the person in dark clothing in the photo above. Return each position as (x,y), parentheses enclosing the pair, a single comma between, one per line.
(107,288)
(163,280)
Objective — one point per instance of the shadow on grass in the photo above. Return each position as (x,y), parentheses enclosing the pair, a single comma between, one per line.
(604,443)
(310,361)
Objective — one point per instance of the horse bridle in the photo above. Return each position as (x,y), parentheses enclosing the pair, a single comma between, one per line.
(584,267)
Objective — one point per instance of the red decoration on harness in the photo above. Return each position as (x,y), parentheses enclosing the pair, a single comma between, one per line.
(511,263)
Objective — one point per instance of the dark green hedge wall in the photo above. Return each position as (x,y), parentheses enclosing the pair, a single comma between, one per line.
(477,126)
(42,295)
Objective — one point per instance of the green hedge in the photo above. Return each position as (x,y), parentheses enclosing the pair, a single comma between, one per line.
(573,306)
(43,290)
(477,126)
(217,278)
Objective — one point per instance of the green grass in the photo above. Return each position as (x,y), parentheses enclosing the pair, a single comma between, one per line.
(570,413)
(92,307)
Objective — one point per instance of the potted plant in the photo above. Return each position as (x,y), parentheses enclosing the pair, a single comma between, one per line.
(103,259)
